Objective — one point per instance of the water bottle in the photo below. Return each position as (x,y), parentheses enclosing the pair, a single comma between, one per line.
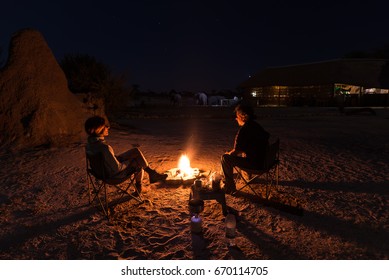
(230,227)
(198,184)
(196,224)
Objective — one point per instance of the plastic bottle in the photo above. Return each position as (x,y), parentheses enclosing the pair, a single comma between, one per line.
(198,184)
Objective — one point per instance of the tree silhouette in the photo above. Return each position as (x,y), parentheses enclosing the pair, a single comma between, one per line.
(84,73)
(2,60)
(87,75)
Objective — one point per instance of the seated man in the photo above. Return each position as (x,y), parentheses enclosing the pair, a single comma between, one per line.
(249,148)
(117,166)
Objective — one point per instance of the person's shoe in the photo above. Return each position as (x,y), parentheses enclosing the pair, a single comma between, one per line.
(156,177)
(230,191)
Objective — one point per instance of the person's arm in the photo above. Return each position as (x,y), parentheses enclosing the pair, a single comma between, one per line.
(236,151)
(111,163)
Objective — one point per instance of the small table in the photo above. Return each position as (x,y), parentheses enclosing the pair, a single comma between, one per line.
(209,194)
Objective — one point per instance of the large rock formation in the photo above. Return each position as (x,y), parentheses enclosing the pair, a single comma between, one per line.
(36,106)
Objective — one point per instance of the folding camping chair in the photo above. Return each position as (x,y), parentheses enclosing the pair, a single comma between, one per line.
(269,171)
(99,183)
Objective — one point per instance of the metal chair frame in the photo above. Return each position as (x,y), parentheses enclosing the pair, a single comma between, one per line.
(270,171)
(98,183)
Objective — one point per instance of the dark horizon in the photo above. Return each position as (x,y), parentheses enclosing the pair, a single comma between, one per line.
(199,46)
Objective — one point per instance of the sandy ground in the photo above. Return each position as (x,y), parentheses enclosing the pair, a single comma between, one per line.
(331,203)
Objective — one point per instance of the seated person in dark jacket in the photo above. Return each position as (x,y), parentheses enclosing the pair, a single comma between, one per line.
(249,148)
(117,166)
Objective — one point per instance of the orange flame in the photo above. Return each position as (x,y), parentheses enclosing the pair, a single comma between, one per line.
(184,166)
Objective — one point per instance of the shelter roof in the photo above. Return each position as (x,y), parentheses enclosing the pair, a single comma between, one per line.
(362,72)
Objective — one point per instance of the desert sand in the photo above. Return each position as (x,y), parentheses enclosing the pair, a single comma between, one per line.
(331,202)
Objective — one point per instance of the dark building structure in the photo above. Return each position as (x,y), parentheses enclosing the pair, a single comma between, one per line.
(354,82)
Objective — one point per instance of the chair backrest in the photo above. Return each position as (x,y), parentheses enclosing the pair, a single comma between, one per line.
(272,154)
(95,165)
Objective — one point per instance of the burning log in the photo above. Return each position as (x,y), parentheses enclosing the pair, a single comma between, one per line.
(184,173)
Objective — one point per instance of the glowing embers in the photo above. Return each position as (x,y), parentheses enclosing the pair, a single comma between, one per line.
(184,173)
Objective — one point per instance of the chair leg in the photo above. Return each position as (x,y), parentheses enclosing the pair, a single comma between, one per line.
(246,183)
(268,186)
(98,191)
(104,204)
(272,182)
(132,182)
(125,191)
(88,181)
(106,201)
(95,188)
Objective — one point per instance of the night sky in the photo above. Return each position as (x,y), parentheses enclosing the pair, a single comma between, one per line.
(199,45)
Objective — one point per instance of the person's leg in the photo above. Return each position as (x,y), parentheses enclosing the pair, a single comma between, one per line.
(137,159)
(228,162)
(134,157)
(138,180)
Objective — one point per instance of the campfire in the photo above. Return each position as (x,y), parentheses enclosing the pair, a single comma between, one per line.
(184,173)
